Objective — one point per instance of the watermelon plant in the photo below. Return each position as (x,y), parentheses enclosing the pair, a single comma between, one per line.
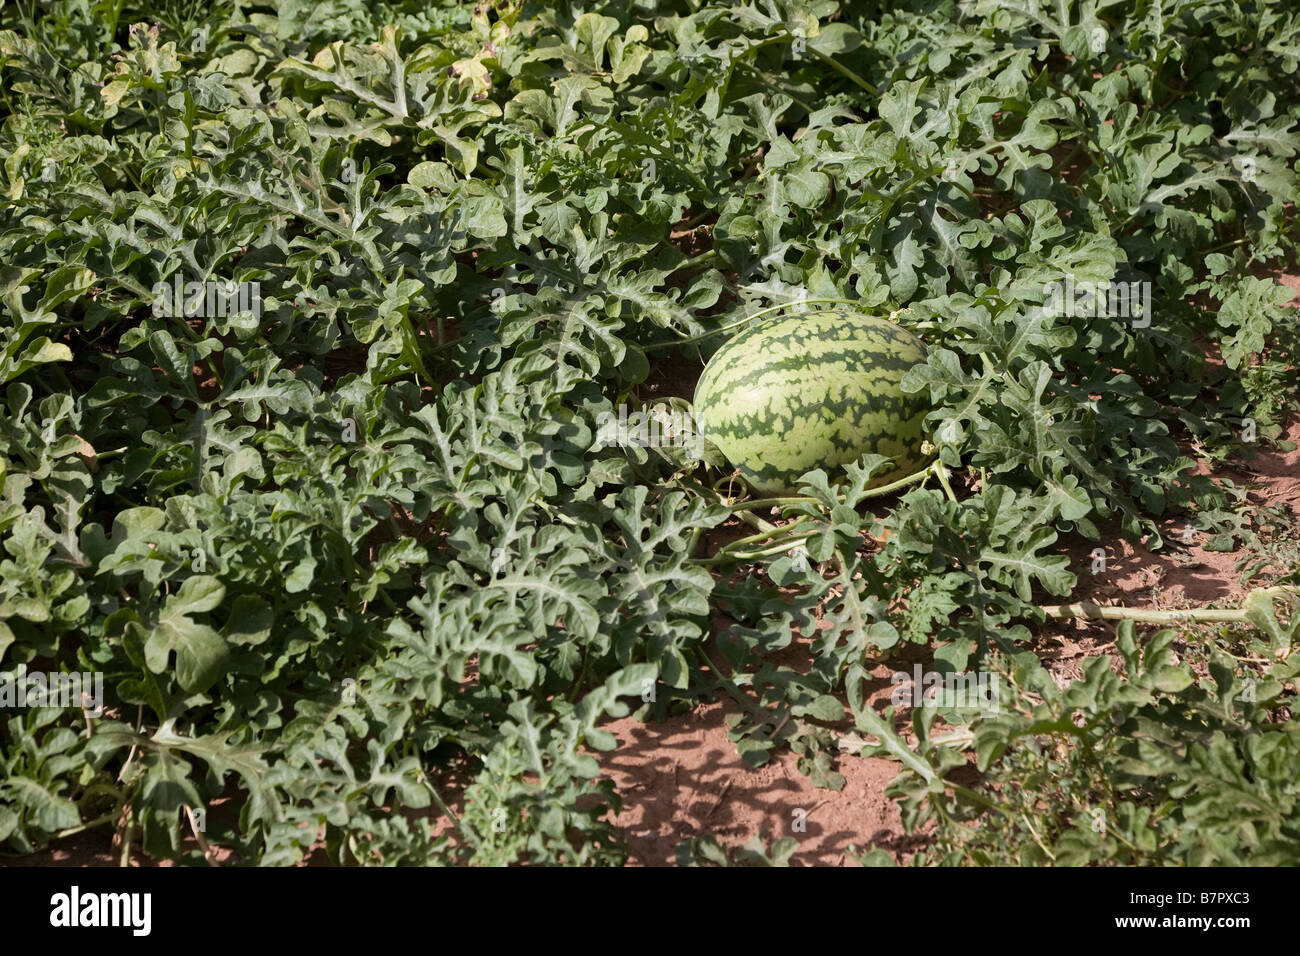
(312,314)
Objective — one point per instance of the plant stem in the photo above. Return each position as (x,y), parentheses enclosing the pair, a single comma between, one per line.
(128,834)
(755,521)
(1096,612)
(784,533)
(942,473)
(455,820)
(845,72)
(770,503)
(200,839)
(88,825)
(901,482)
(776,548)
(707,256)
(772,531)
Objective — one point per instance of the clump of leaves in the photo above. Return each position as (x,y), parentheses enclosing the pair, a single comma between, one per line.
(1143,764)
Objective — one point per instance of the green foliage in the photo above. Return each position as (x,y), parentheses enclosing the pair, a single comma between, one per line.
(1149,765)
(707,851)
(358,573)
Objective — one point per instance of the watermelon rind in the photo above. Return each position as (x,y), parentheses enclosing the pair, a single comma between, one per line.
(817,390)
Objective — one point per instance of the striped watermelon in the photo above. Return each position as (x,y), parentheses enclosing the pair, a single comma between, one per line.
(813,391)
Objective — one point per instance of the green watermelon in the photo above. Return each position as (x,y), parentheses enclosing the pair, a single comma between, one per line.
(813,391)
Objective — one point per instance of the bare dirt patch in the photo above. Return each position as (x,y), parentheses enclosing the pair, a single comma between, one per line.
(682,778)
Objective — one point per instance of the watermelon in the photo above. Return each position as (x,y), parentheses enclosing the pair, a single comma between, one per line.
(813,391)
